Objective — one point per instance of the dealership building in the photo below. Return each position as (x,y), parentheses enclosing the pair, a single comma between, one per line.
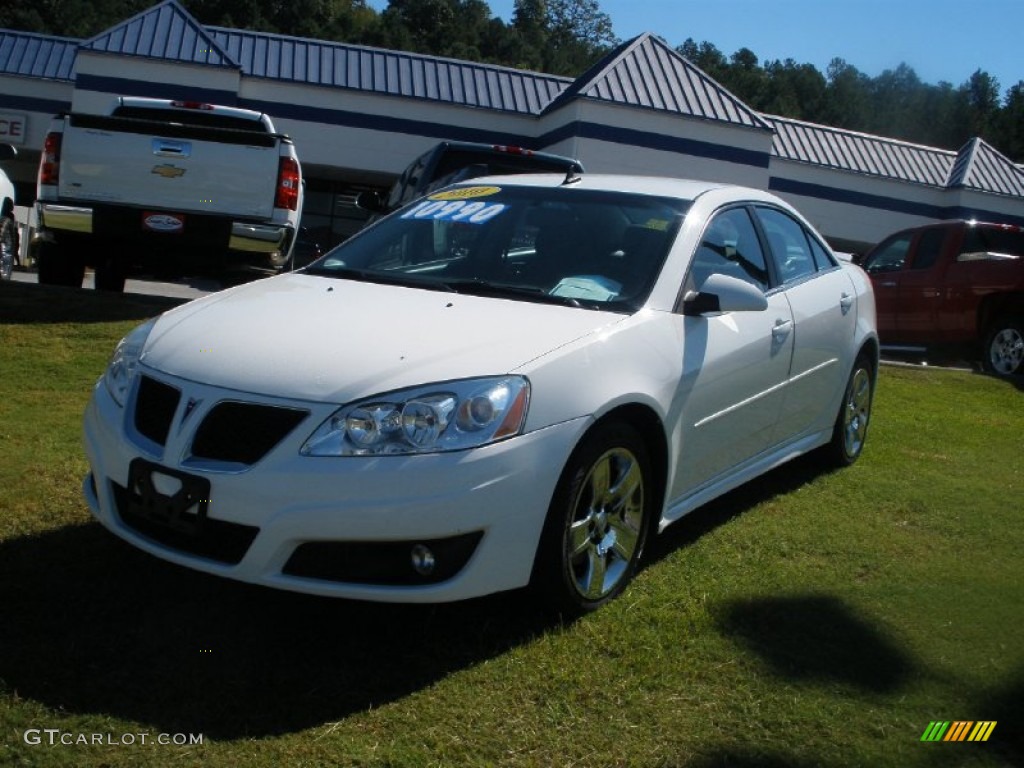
(359,115)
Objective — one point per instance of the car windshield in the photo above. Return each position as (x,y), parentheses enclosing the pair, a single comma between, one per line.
(585,248)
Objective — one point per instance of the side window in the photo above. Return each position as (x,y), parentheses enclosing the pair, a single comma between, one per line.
(729,246)
(788,242)
(890,256)
(929,246)
(981,241)
(822,259)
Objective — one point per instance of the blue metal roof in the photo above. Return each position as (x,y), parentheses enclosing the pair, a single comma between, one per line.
(30,55)
(165,31)
(394,73)
(859,152)
(645,72)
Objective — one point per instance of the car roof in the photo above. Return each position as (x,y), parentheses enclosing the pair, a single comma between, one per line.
(686,189)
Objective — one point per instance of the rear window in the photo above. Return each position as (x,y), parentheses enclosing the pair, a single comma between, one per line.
(1008,242)
(194,117)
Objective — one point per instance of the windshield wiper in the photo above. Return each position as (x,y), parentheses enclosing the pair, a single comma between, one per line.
(475,286)
(375,276)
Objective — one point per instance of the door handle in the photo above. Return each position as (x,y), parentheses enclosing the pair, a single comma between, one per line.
(845,302)
(781,329)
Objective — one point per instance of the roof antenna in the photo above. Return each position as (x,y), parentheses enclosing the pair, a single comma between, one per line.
(571,177)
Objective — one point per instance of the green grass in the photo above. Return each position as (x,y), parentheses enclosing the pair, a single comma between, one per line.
(809,619)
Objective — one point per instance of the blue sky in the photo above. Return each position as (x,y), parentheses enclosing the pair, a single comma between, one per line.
(941,39)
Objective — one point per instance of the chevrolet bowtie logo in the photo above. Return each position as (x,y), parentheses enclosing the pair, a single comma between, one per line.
(168,171)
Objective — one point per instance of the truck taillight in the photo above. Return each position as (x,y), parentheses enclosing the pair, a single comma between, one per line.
(512,150)
(49,163)
(287,184)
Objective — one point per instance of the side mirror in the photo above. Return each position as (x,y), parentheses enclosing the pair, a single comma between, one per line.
(722,293)
(371,201)
(7,152)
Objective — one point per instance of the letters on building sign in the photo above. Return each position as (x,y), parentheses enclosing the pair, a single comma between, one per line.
(12,129)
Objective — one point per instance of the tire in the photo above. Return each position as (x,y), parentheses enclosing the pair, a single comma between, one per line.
(8,246)
(597,523)
(1003,350)
(110,274)
(57,267)
(851,426)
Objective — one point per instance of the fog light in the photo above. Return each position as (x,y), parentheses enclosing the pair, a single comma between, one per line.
(423,561)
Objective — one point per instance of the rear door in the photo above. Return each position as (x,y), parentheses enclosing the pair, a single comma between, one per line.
(822,299)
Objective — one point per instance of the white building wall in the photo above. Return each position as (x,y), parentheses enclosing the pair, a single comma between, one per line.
(328,143)
(183,76)
(15,89)
(617,153)
(855,209)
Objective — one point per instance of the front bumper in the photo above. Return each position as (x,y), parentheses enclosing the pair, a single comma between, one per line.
(486,504)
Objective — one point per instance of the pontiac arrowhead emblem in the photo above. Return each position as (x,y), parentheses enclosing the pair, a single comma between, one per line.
(168,171)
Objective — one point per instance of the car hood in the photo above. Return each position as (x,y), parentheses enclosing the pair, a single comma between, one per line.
(331,340)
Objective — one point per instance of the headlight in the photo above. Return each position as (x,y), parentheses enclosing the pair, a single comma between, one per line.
(444,417)
(125,362)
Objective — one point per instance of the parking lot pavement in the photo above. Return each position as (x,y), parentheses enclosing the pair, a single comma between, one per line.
(185,288)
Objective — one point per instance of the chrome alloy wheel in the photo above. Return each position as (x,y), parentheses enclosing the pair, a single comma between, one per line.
(857,411)
(607,525)
(1006,350)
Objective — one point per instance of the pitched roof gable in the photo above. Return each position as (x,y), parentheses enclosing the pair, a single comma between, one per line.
(981,166)
(646,72)
(165,31)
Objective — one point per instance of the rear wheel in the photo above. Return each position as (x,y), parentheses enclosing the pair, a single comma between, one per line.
(597,523)
(1004,346)
(57,266)
(851,427)
(8,246)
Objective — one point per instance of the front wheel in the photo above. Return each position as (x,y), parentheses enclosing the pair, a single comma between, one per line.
(1004,347)
(851,427)
(597,523)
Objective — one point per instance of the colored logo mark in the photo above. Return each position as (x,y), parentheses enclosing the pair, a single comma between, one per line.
(958,730)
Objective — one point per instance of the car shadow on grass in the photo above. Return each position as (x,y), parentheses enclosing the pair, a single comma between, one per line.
(28,303)
(93,626)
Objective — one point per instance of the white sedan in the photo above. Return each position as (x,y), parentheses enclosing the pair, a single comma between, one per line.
(511,382)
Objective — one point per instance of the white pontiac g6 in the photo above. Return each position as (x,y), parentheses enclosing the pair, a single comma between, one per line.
(511,382)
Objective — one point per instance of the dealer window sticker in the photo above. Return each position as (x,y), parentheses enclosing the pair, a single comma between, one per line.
(661,225)
(470,212)
(465,193)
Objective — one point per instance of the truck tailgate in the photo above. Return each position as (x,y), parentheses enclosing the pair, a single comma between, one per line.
(169,166)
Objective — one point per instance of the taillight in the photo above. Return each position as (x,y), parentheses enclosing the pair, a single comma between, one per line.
(512,150)
(49,163)
(287,184)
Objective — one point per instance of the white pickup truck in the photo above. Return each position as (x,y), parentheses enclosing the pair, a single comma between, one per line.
(168,186)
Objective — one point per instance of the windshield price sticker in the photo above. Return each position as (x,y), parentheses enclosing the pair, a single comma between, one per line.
(456,210)
(466,193)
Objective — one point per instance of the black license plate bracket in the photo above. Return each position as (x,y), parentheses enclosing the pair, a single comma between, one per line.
(184,510)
